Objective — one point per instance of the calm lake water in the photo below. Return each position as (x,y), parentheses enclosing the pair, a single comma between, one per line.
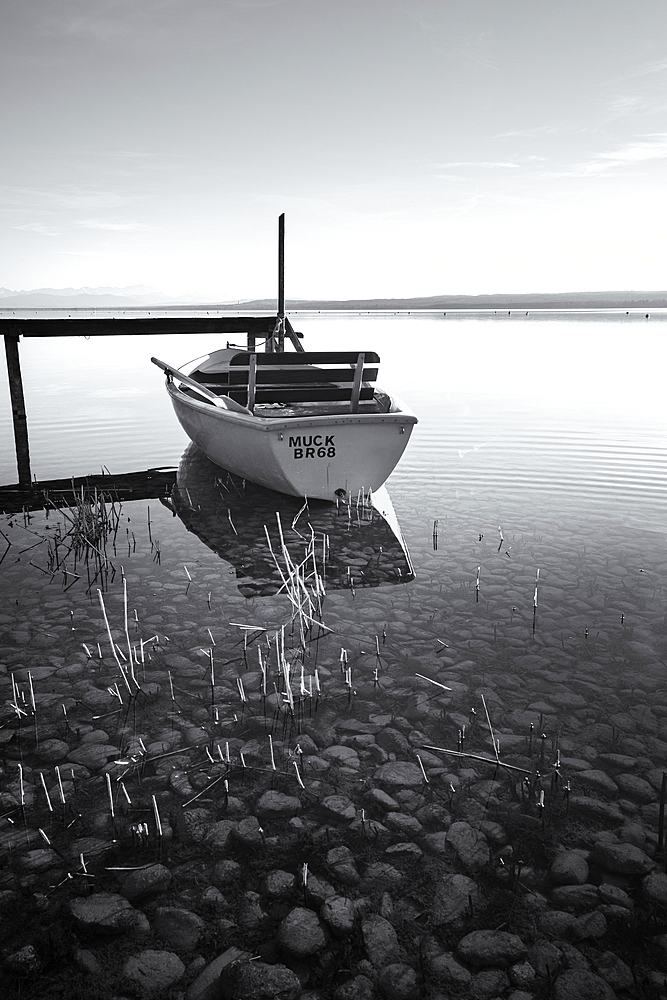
(532,500)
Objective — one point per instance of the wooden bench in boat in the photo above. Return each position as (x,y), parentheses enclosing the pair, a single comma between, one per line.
(290,377)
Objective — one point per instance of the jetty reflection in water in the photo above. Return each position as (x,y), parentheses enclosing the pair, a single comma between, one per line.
(355,543)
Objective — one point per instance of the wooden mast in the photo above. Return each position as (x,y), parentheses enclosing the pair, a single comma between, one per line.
(276,342)
(281,281)
(283,326)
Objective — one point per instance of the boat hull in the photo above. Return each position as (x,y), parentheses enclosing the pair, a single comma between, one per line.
(317,456)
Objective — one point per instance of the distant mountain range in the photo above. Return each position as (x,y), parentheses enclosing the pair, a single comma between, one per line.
(81,298)
(530,300)
(141,295)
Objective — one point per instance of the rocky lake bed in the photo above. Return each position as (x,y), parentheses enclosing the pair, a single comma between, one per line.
(392,788)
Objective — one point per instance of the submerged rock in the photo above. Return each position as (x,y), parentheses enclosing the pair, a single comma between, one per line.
(589,925)
(338,807)
(576,898)
(250,915)
(569,868)
(152,972)
(181,929)
(339,914)
(624,859)
(301,933)
(400,774)
(93,755)
(380,939)
(145,882)
(599,781)
(256,981)
(205,986)
(595,809)
(469,844)
(341,862)
(104,913)
(556,923)
(615,971)
(398,982)
(491,948)
(636,788)
(578,984)
(276,805)
(277,884)
(358,988)
(445,966)
(457,898)
(24,963)
(654,887)
(488,983)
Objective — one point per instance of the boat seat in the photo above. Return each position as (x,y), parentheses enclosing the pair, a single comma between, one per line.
(291,377)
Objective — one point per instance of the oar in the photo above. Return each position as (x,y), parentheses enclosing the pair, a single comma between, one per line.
(224,402)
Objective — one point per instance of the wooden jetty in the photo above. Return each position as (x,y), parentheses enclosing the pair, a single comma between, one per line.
(263,327)
(273,328)
(148,485)
(15,328)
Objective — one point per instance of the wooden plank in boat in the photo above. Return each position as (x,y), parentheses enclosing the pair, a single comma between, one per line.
(296,376)
(288,358)
(297,395)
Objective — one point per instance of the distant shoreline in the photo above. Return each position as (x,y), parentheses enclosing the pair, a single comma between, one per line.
(433,303)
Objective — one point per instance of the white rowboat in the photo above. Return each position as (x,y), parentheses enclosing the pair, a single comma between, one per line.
(318,454)
(309,424)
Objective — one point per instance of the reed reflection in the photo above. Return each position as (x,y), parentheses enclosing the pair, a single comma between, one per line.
(352,544)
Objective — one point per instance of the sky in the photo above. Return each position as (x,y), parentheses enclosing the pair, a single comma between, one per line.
(417,147)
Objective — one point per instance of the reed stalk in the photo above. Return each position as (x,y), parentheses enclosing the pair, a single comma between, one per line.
(473,756)
(158,821)
(113,645)
(46,791)
(60,785)
(110,796)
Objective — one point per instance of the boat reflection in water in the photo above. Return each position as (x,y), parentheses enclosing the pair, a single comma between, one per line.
(356,542)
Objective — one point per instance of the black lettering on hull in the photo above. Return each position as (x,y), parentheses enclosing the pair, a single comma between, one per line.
(312,446)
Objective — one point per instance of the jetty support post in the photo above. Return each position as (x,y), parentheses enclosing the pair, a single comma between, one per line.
(19,416)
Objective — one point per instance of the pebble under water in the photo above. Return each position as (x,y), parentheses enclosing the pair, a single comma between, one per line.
(334,781)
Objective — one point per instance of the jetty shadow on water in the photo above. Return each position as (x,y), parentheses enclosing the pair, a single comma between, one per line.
(145,485)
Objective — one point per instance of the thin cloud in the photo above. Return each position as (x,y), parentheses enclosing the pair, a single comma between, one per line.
(259,3)
(605,164)
(37,227)
(639,152)
(650,69)
(164,24)
(626,106)
(106,19)
(120,255)
(72,197)
(89,199)
(448,35)
(128,154)
(112,227)
(473,49)
(538,130)
(485,164)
